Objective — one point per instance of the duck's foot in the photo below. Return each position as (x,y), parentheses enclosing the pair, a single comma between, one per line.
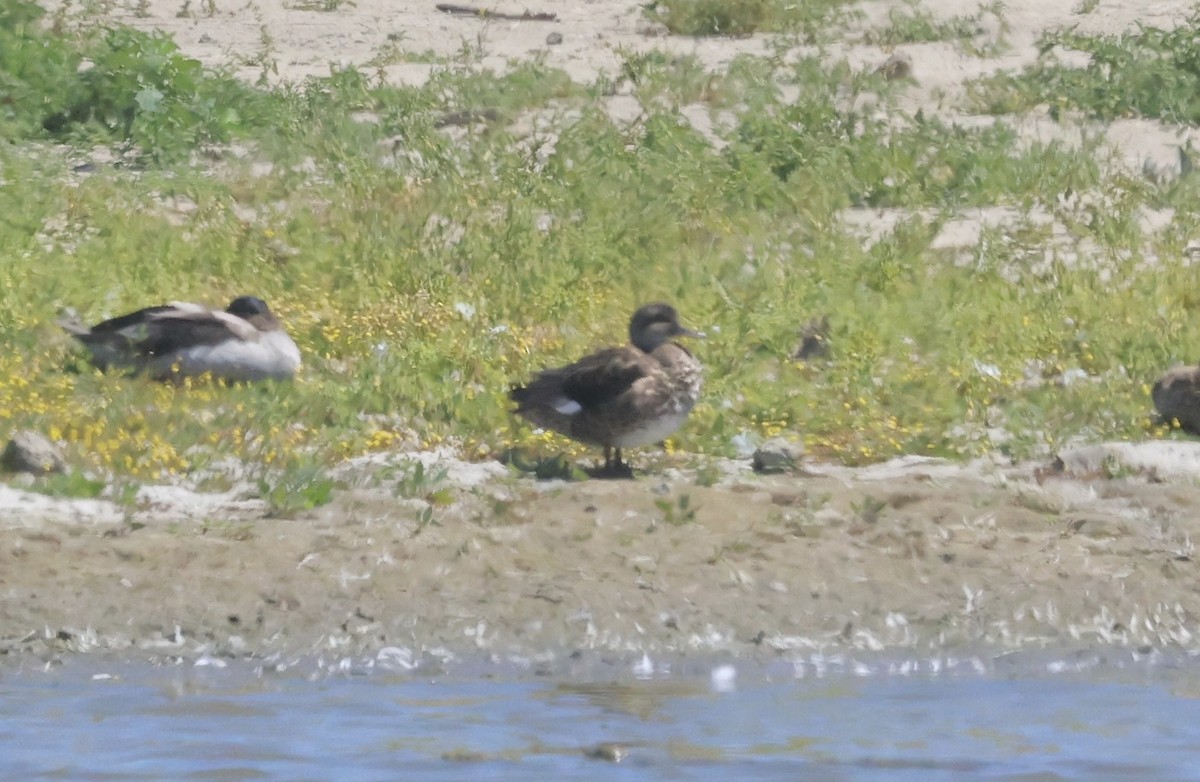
(614,467)
(616,471)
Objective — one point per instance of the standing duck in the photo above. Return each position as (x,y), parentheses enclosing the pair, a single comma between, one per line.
(245,341)
(619,397)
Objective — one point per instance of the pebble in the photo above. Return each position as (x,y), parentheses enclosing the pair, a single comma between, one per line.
(777,455)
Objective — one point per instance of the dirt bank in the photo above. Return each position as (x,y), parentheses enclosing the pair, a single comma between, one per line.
(914,557)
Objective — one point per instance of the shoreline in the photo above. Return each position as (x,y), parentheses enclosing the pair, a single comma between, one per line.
(915,557)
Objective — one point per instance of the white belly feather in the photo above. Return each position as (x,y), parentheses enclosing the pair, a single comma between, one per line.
(652,431)
(273,355)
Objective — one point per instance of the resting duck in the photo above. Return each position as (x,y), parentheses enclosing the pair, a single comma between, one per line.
(245,341)
(619,397)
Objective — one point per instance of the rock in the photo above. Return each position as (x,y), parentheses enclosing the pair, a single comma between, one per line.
(777,455)
(609,751)
(554,39)
(1176,397)
(898,66)
(29,451)
(1097,528)
(1157,460)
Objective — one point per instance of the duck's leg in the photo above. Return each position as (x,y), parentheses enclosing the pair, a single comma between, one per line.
(614,465)
(619,468)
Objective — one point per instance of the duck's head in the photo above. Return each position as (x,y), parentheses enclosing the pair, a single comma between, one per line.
(654,324)
(254,310)
(247,306)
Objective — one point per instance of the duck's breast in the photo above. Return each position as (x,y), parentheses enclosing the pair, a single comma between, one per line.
(273,356)
(652,430)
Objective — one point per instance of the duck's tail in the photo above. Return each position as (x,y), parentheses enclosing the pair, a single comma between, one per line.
(108,348)
(544,403)
(70,322)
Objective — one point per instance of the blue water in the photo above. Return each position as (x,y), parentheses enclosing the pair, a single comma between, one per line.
(138,722)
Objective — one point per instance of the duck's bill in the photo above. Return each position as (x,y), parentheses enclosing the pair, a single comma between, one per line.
(686,332)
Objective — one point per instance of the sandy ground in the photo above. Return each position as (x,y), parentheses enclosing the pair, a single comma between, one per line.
(913,558)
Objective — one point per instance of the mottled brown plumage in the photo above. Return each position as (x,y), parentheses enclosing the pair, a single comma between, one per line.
(619,397)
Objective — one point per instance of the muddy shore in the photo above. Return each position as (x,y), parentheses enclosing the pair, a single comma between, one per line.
(914,557)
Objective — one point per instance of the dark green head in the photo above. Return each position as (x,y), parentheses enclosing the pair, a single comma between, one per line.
(247,306)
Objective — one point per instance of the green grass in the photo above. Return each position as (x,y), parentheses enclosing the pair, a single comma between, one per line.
(913,24)
(981,33)
(808,18)
(299,485)
(424,270)
(1149,72)
(113,83)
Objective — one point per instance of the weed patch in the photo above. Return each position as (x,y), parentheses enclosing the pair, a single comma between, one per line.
(112,83)
(913,24)
(743,17)
(296,487)
(1149,72)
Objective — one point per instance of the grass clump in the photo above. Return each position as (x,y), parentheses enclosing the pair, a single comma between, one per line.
(712,17)
(297,486)
(744,17)
(111,83)
(913,24)
(73,485)
(830,150)
(1149,72)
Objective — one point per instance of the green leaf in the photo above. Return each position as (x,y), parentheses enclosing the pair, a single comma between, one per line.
(149,99)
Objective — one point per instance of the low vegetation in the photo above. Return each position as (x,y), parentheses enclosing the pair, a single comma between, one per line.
(423,267)
(1148,72)
(810,18)
(911,23)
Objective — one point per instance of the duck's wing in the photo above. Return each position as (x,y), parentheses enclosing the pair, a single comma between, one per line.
(177,328)
(604,375)
(590,382)
(113,342)
(211,326)
(556,398)
(113,326)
